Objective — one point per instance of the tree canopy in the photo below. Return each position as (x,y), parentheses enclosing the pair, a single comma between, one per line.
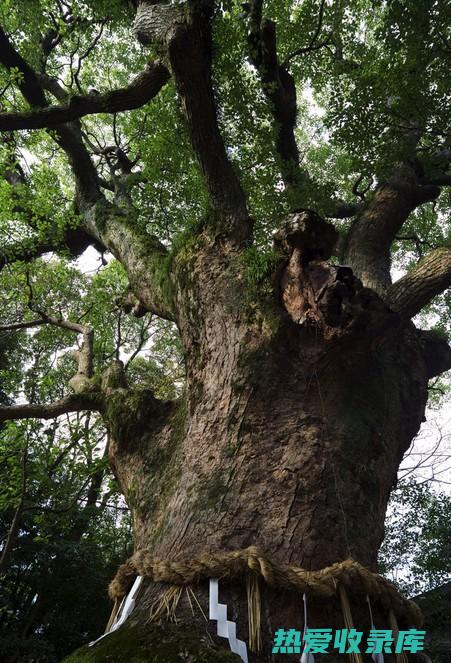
(372,84)
(118,152)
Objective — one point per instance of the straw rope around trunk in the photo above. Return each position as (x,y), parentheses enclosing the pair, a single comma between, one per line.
(239,564)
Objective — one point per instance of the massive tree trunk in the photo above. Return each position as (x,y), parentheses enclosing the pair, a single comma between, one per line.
(300,403)
(285,425)
(303,391)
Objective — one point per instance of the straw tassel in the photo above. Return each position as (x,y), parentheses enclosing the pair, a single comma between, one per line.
(114,612)
(166,604)
(347,616)
(254,612)
(393,623)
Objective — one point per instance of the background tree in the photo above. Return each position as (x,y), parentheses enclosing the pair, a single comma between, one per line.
(62,538)
(277,159)
(417,538)
(63,525)
(416,555)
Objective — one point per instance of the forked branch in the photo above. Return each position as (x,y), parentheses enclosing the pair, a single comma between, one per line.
(370,239)
(84,397)
(186,34)
(279,87)
(314,44)
(103,224)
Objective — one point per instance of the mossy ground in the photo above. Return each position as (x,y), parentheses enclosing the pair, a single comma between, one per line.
(153,643)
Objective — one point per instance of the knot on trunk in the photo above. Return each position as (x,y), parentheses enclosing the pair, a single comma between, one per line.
(131,305)
(330,297)
(436,352)
(155,19)
(307,232)
(316,293)
(114,377)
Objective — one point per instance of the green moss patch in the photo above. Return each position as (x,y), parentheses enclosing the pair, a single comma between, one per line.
(153,643)
(128,412)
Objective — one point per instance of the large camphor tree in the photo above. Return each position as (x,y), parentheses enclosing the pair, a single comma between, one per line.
(254,168)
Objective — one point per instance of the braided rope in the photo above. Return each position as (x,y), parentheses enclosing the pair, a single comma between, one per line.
(239,563)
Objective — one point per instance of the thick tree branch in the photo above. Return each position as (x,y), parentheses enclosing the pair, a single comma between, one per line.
(378,225)
(418,287)
(370,239)
(189,50)
(25,252)
(14,326)
(74,240)
(85,397)
(84,356)
(72,403)
(53,86)
(68,136)
(109,225)
(280,89)
(439,180)
(143,256)
(28,83)
(437,352)
(341,210)
(140,91)
(104,223)
(190,62)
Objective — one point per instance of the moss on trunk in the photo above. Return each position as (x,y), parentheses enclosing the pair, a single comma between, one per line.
(153,643)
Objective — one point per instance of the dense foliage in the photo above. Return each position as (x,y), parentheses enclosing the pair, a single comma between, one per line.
(71,534)
(417,547)
(373,81)
(374,89)
(60,509)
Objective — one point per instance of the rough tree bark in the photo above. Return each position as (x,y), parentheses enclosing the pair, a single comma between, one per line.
(300,399)
(296,416)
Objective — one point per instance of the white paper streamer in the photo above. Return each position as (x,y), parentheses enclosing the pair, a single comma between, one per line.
(226,628)
(126,608)
(307,657)
(377,658)
(218,612)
